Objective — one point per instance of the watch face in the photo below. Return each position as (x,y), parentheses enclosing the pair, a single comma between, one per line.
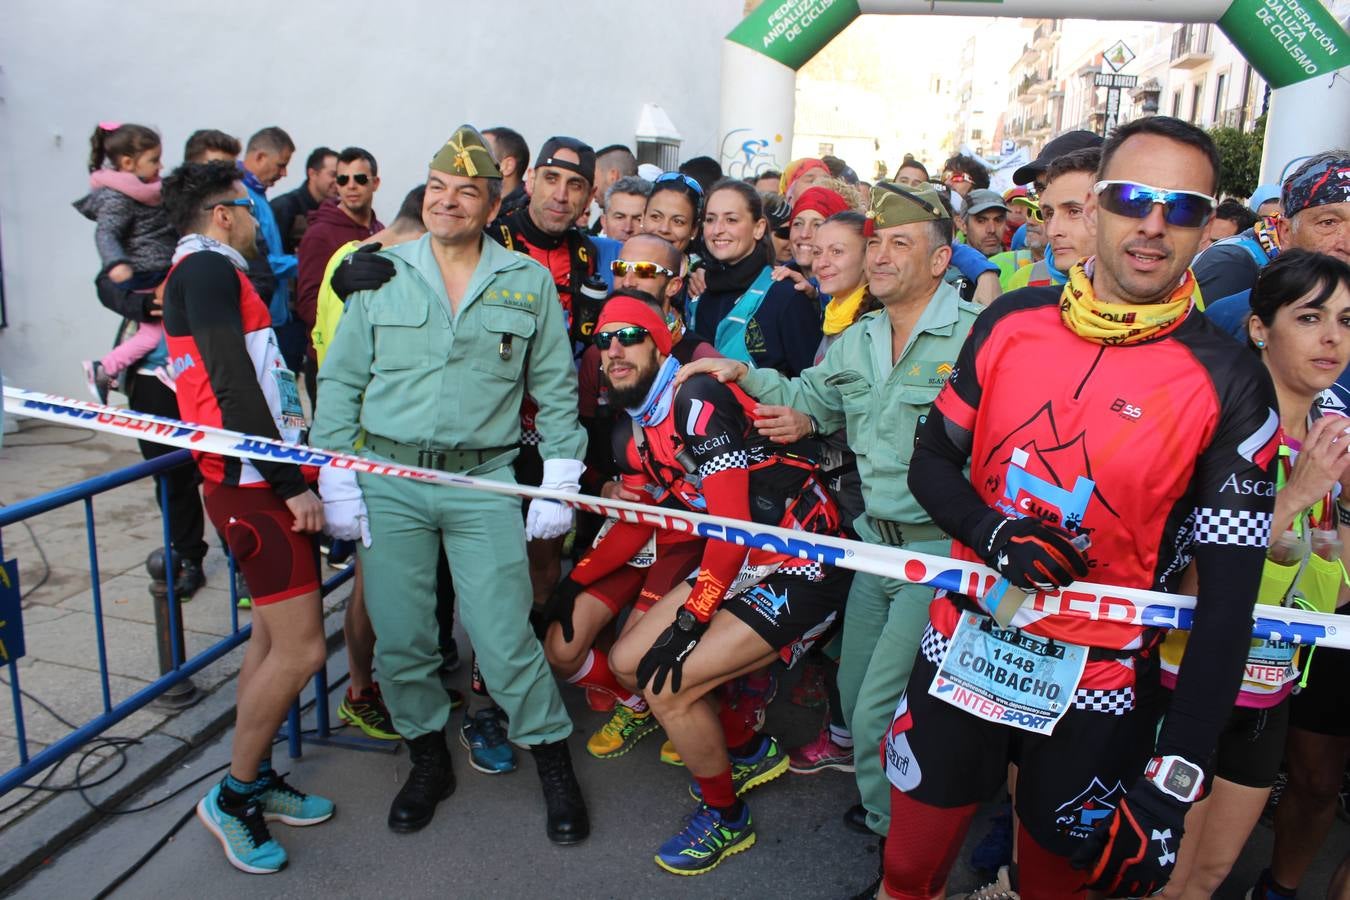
(1181,778)
(685,619)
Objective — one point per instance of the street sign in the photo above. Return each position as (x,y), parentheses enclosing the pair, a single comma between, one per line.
(1118,56)
(1107,80)
(1112,110)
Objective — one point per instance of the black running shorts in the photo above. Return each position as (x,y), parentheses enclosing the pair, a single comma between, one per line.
(1067,781)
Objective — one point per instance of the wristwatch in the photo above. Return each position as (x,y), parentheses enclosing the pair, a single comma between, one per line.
(685,620)
(1175,776)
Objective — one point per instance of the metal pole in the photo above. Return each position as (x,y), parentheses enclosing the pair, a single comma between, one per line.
(167,637)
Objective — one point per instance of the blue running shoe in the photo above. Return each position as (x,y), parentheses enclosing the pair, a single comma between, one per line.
(243,834)
(283,803)
(705,841)
(747,772)
(485,739)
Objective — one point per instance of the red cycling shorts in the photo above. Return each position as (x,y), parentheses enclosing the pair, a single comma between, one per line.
(277,563)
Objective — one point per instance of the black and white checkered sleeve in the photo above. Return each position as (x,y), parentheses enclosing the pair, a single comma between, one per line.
(1235,527)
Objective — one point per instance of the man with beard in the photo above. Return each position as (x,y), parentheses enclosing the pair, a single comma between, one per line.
(878,381)
(695,448)
(983,221)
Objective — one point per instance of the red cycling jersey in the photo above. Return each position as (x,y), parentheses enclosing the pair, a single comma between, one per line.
(1145,448)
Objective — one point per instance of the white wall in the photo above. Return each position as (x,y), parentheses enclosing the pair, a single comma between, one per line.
(396,78)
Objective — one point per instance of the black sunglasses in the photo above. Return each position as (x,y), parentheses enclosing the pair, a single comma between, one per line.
(361,178)
(629,336)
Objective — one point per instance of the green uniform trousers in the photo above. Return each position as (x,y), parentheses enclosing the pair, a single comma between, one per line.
(883,623)
(484,540)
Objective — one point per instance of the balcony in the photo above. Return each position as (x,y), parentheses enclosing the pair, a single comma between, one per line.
(1191,46)
(1046,35)
(1042,86)
(1028,84)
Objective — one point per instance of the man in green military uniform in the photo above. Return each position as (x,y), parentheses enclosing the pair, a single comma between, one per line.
(878,381)
(429,369)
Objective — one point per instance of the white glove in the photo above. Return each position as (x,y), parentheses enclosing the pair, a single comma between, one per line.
(344,509)
(548,519)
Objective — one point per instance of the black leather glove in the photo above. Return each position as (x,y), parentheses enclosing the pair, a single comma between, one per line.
(668,653)
(558,608)
(1132,852)
(362,270)
(1031,554)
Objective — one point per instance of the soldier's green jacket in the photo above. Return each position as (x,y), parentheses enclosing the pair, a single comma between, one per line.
(402,367)
(856,386)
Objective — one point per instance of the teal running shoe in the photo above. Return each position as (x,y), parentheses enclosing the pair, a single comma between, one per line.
(283,803)
(484,737)
(243,834)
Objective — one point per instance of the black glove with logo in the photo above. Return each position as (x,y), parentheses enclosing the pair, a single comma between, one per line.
(558,608)
(1132,852)
(362,270)
(667,655)
(1031,554)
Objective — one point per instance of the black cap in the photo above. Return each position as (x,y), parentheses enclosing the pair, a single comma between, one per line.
(1062,145)
(585,167)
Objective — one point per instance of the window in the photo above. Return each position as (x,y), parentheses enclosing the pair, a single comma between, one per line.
(825,149)
(1220,97)
(1197,91)
(976,134)
(1176,104)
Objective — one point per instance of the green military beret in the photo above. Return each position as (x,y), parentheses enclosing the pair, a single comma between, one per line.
(892,204)
(466,153)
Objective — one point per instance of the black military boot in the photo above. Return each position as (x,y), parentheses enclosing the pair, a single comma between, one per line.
(430,781)
(567,819)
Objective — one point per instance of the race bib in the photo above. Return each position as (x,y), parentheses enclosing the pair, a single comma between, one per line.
(749,576)
(643,558)
(292,415)
(1007,676)
(1270,664)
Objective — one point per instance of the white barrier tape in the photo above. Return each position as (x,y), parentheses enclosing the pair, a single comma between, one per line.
(1082,600)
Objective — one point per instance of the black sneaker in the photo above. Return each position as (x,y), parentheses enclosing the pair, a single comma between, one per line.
(189,579)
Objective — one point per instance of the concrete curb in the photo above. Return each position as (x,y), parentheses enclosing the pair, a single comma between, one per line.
(36,836)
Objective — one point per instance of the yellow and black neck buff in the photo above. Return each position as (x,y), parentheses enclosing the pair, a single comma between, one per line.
(1118,324)
(1267,235)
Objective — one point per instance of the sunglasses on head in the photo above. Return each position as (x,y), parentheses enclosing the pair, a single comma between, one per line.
(360,178)
(680,176)
(642,269)
(245,202)
(629,336)
(1184,209)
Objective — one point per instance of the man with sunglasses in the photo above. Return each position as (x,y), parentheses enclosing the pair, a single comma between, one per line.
(350,217)
(1024,461)
(694,447)
(430,368)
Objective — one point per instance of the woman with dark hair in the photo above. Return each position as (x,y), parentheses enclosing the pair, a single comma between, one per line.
(747,315)
(1300,326)
(673,209)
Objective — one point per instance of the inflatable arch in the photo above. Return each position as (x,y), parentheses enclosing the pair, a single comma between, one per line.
(1295,45)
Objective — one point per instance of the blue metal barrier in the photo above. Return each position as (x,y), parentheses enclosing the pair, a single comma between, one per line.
(182,669)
